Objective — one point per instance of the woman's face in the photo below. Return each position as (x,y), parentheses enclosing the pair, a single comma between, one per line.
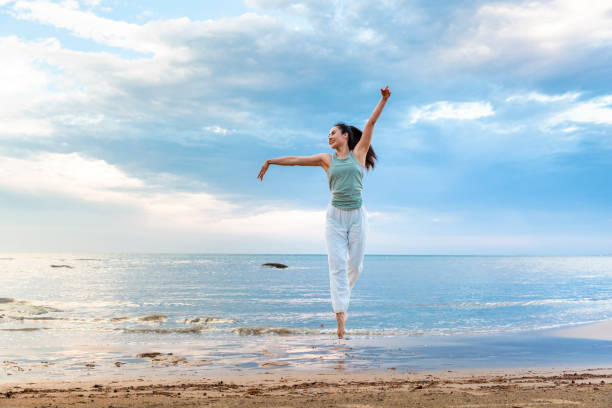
(336,138)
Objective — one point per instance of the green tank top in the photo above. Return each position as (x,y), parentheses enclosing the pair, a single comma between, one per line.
(345,181)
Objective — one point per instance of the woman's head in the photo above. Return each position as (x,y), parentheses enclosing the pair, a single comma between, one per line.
(338,136)
(345,134)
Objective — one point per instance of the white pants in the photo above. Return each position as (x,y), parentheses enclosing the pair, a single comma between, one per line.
(345,233)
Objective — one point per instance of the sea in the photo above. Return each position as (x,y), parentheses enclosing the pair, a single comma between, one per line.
(66,316)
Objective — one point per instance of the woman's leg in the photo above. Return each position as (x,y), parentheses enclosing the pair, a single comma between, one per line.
(356,245)
(337,246)
(336,236)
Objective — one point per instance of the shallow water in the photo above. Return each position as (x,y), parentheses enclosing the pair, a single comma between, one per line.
(214,312)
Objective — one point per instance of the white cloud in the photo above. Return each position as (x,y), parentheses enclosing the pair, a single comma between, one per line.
(570,129)
(83,178)
(451,110)
(216,129)
(72,174)
(538,30)
(544,98)
(194,72)
(17,127)
(85,24)
(78,177)
(596,111)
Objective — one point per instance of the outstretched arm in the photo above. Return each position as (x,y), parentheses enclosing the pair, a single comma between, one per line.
(314,160)
(366,138)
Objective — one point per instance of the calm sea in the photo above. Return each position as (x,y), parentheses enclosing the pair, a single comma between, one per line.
(73,314)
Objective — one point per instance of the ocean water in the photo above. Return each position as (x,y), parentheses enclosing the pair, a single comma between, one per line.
(96,314)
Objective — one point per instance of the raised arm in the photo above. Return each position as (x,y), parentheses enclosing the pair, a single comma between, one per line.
(366,138)
(321,159)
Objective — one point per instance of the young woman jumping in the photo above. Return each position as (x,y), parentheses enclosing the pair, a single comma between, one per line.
(346,218)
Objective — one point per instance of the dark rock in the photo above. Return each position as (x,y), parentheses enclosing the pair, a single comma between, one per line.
(150,355)
(275,265)
(61,266)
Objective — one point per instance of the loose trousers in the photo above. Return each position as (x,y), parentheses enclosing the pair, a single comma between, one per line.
(345,233)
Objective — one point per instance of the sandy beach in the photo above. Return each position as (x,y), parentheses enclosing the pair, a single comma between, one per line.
(475,388)
(594,331)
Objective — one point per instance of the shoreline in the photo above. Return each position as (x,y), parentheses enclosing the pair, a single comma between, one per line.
(565,382)
(581,346)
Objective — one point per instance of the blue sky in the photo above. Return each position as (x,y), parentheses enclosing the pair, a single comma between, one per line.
(140,126)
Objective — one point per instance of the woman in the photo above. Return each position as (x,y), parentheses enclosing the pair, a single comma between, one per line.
(346,218)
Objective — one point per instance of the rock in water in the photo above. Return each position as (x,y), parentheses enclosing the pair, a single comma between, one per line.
(274,265)
(61,266)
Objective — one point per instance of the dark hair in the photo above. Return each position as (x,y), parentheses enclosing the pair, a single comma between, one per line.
(354,135)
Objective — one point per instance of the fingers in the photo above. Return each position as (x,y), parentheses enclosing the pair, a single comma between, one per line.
(261,173)
(385,91)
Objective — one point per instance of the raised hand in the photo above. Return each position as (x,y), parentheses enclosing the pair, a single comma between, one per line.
(263,170)
(385,93)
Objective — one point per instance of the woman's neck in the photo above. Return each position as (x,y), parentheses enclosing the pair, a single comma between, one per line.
(343,152)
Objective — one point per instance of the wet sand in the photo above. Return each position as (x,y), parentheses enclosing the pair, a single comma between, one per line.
(593,331)
(473,388)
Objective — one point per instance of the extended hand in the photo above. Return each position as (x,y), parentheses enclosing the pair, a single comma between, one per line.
(385,93)
(263,170)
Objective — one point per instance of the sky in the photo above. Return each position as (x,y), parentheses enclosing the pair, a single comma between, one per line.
(141,126)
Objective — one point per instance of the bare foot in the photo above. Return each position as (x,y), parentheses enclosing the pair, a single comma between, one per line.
(341,318)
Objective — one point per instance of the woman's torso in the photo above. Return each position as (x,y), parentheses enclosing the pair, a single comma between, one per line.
(345,178)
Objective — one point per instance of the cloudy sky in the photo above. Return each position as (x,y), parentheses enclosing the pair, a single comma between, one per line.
(141,125)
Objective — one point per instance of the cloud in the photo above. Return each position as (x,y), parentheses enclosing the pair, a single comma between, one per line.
(451,110)
(85,24)
(534,32)
(544,98)
(79,177)
(596,111)
(75,176)
(184,76)
(216,129)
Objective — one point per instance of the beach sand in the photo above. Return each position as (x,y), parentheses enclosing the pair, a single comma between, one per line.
(594,331)
(482,388)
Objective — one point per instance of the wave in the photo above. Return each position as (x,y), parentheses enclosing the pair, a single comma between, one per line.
(208,319)
(492,305)
(192,329)
(156,318)
(23,306)
(536,302)
(281,331)
(25,329)
(285,331)
(37,318)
